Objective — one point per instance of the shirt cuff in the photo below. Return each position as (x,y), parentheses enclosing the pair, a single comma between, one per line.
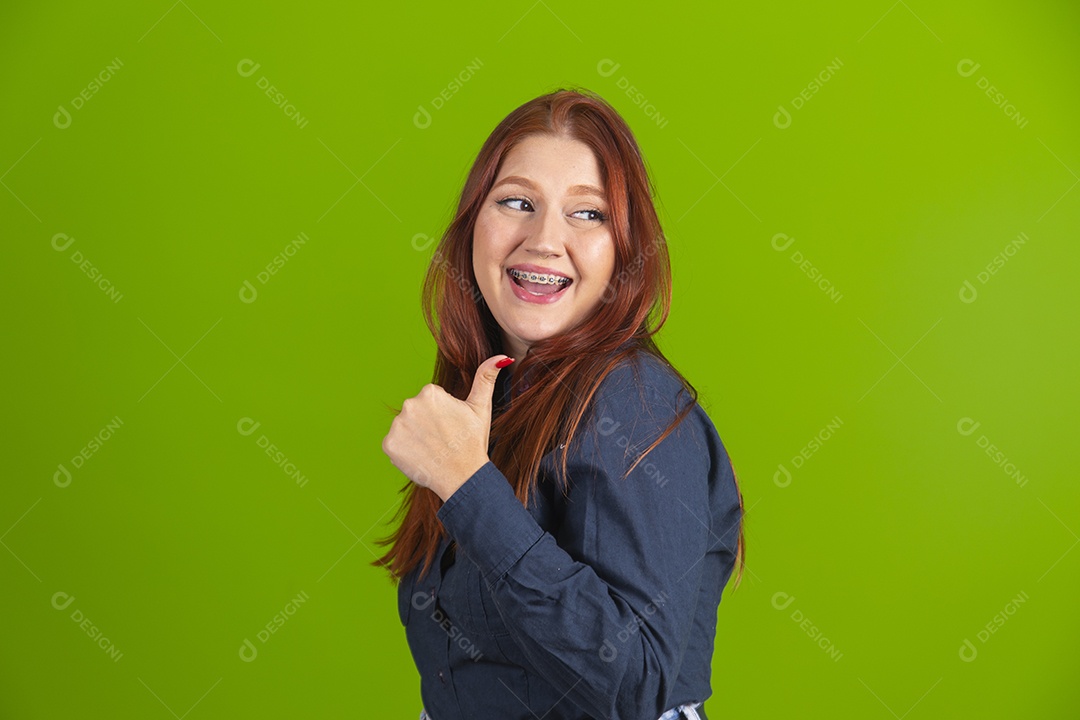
(489,523)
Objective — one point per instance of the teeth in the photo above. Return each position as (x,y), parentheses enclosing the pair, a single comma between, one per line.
(541,278)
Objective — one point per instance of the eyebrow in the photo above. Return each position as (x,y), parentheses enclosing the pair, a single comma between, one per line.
(573,190)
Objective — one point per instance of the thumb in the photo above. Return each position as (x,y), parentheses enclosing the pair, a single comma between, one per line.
(484,383)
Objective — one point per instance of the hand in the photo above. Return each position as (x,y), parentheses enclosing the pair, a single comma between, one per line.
(438,441)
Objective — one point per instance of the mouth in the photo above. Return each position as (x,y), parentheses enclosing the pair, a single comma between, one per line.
(539,288)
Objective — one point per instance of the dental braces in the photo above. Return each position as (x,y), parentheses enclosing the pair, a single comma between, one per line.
(540,278)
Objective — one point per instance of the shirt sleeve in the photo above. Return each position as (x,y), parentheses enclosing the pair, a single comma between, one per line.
(605,613)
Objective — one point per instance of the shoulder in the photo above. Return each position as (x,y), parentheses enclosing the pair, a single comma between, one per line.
(646,377)
(633,407)
(643,395)
(643,425)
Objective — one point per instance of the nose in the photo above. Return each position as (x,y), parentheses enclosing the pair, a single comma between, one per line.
(545,237)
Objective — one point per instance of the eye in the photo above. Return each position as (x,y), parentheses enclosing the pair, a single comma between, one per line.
(594,215)
(526,206)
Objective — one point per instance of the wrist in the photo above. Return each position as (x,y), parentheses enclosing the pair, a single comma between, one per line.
(455,479)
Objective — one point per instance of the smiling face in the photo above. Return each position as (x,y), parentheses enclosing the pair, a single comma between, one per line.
(547,214)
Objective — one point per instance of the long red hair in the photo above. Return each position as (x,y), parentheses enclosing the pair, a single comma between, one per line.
(564,371)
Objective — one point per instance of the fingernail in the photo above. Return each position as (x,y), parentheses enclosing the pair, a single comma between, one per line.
(504,362)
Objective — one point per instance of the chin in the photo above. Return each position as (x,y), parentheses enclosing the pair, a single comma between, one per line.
(534,335)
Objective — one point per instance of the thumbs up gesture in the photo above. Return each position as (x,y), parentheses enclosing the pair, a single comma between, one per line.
(438,441)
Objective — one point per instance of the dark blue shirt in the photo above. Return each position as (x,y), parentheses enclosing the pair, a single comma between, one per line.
(599,604)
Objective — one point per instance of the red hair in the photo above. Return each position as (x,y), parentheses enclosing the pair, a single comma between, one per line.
(564,371)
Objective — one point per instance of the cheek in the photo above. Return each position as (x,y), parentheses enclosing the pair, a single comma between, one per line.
(483,247)
(489,237)
(601,260)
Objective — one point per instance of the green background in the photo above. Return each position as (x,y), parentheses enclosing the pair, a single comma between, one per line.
(896,538)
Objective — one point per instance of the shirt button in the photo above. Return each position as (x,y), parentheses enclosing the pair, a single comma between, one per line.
(431,591)
(441,677)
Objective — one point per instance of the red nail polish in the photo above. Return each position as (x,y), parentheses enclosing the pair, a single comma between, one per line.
(504,362)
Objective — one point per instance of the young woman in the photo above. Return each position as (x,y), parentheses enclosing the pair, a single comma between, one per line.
(571,519)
